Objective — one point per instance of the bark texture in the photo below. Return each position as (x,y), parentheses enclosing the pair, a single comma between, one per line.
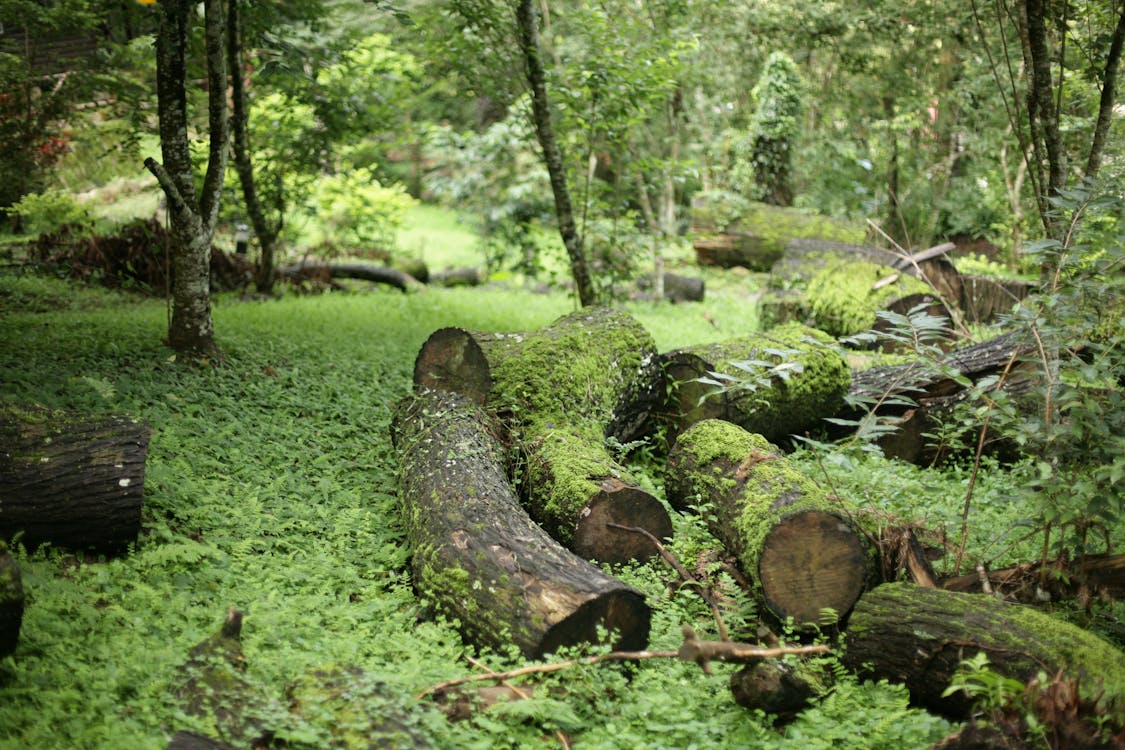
(918,637)
(72,480)
(801,555)
(11,602)
(478,555)
(777,408)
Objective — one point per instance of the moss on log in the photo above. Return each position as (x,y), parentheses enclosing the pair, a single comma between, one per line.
(918,637)
(801,555)
(777,686)
(460,360)
(477,554)
(813,390)
(11,602)
(73,480)
(846,296)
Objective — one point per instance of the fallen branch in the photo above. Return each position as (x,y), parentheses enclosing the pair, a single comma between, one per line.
(693,650)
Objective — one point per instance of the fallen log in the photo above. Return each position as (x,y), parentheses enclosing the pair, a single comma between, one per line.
(846,296)
(73,480)
(456,277)
(1087,577)
(564,389)
(808,381)
(479,557)
(325,272)
(192,741)
(918,637)
(677,288)
(777,687)
(984,297)
(801,555)
(11,602)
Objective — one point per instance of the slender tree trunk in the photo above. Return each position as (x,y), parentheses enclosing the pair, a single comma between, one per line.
(552,154)
(191,331)
(1108,98)
(240,139)
(1043,118)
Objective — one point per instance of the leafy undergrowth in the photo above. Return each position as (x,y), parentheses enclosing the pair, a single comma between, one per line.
(271,487)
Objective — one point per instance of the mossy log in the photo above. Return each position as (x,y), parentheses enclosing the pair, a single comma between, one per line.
(477,554)
(814,388)
(934,390)
(11,602)
(757,236)
(800,553)
(360,710)
(846,296)
(776,686)
(73,480)
(456,277)
(565,388)
(780,306)
(918,637)
(325,272)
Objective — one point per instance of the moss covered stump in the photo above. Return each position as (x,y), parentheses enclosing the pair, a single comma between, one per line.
(477,554)
(814,386)
(73,480)
(11,602)
(846,296)
(918,637)
(800,554)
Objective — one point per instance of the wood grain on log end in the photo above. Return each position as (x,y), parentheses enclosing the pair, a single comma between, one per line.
(451,360)
(621,612)
(621,504)
(812,561)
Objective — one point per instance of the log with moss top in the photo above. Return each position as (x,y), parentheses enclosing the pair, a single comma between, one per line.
(801,554)
(754,235)
(794,377)
(566,388)
(11,602)
(70,479)
(919,636)
(779,687)
(479,556)
(846,296)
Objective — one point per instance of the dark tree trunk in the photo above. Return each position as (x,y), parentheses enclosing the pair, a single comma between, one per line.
(776,409)
(801,555)
(11,602)
(240,139)
(70,479)
(478,555)
(191,332)
(918,637)
(364,271)
(552,154)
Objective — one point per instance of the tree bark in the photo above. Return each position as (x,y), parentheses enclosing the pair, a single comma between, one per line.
(552,154)
(478,555)
(462,361)
(800,554)
(1087,577)
(776,687)
(918,637)
(71,480)
(776,409)
(11,602)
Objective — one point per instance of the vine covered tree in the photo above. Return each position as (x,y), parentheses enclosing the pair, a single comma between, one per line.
(774,128)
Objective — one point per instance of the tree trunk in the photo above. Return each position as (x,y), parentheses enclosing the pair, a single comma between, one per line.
(801,555)
(11,602)
(72,480)
(477,554)
(776,408)
(918,637)
(552,154)
(363,271)
(191,332)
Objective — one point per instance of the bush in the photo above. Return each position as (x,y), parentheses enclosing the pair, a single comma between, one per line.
(356,206)
(46,212)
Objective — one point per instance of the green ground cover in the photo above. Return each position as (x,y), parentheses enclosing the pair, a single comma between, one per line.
(271,487)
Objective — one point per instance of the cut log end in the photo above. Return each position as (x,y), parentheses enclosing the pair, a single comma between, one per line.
(451,360)
(812,561)
(622,613)
(597,537)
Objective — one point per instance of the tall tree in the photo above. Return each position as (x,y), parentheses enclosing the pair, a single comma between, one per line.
(191,331)
(527,22)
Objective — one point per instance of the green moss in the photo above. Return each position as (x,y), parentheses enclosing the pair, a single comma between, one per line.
(11,588)
(844,299)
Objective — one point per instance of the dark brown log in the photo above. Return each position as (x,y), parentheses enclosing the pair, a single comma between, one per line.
(800,553)
(325,272)
(11,602)
(1086,577)
(777,687)
(477,554)
(461,361)
(457,277)
(777,409)
(73,480)
(192,741)
(983,297)
(677,288)
(918,637)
